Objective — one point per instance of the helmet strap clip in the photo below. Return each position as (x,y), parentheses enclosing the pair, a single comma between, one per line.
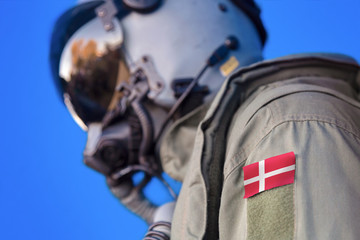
(106,12)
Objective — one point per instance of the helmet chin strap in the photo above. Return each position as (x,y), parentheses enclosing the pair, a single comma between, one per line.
(134,95)
(120,181)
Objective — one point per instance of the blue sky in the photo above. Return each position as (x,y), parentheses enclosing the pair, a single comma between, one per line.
(45,190)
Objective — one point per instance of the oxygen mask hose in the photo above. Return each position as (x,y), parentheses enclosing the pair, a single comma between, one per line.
(161,228)
(133,198)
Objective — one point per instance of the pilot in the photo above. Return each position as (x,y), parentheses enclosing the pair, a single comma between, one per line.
(264,149)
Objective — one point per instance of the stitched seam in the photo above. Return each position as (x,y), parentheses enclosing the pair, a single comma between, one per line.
(299,75)
(356,137)
(303,115)
(243,148)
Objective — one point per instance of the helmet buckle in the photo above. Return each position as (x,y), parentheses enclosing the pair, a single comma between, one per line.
(106,12)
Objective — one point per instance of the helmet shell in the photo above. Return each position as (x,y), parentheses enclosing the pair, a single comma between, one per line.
(181,35)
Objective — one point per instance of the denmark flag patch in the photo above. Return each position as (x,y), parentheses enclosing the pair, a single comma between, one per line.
(269,173)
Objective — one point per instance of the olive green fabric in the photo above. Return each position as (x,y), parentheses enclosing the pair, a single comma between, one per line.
(308,105)
(178,143)
(271,214)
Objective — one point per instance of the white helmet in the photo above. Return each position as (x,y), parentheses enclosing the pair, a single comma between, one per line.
(174,37)
(123,67)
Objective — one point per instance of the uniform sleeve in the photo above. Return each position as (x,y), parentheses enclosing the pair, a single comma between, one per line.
(323,202)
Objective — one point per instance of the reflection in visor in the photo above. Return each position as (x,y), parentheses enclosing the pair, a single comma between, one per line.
(92,65)
(93,80)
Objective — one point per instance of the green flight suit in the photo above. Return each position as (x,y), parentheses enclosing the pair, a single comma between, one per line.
(306,104)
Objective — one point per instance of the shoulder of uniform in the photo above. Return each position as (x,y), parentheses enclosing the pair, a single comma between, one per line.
(337,57)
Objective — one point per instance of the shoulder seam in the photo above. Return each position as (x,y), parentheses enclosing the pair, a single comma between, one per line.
(354,135)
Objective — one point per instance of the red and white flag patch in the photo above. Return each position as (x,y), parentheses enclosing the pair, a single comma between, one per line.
(269,173)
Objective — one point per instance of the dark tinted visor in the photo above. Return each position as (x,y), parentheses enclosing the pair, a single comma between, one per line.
(91,66)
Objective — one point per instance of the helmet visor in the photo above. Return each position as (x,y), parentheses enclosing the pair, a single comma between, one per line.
(91,66)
